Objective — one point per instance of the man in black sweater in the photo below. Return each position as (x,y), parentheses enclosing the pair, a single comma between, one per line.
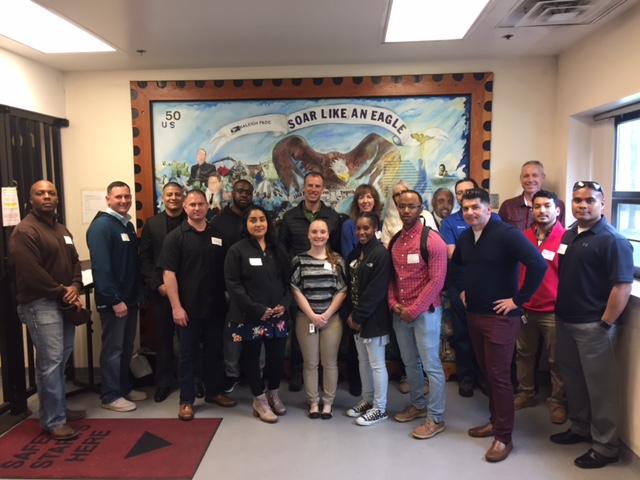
(491,251)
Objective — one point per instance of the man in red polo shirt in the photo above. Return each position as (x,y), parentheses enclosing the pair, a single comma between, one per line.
(539,312)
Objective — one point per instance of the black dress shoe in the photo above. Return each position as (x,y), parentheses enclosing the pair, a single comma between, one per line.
(465,388)
(161,394)
(593,459)
(569,438)
(199,390)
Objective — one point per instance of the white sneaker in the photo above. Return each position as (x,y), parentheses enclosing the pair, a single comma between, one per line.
(372,416)
(136,396)
(120,405)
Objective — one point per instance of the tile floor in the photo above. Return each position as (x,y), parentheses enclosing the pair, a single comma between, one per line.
(298,448)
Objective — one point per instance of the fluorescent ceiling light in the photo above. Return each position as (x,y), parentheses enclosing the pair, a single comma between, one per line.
(34,26)
(429,20)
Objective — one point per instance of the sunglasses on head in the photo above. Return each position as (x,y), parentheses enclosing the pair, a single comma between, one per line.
(592,185)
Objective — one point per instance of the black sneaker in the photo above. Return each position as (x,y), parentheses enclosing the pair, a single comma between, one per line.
(374,415)
(230,383)
(361,408)
(295,384)
(465,388)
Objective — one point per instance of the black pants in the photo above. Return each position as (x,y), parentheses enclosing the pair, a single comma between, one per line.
(275,350)
(165,329)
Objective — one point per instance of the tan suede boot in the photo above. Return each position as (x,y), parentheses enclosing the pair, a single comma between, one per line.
(262,409)
(275,403)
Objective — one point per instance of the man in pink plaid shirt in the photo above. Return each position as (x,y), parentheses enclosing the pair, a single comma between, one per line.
(414,300)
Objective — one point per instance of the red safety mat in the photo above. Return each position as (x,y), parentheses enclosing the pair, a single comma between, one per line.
(108,449)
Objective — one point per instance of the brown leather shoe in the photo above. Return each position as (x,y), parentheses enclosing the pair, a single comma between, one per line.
(63,432)
(222,400)
(73,415)
(498,451)
(186,412)
(483,431)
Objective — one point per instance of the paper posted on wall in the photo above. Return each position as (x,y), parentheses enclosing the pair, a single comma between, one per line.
(10,208)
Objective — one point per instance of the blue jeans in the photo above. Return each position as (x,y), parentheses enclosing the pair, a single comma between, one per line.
(118,335)
(419,343)
(373,371)
(53,340)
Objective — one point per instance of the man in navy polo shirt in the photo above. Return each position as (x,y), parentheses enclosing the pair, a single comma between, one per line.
(595,278)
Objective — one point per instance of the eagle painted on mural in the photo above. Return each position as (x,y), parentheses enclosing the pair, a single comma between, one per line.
(293,157)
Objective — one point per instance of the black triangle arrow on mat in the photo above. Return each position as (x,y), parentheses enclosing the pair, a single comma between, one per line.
(148,442)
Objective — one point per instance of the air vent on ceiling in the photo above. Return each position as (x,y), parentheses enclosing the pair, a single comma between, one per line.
(544,13)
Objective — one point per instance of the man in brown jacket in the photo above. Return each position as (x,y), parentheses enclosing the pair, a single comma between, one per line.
(48,275)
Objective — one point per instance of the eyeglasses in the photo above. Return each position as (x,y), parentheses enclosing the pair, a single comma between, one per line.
(592,185)
(408,207)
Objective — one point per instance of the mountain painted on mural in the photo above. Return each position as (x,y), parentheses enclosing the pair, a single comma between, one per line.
(293,157)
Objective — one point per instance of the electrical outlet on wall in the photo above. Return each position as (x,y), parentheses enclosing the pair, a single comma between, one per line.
(495,200)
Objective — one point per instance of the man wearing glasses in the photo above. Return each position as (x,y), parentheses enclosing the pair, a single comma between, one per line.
(414,300)
(595,278)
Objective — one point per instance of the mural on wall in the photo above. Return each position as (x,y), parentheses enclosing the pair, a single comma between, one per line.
(210,145)
(428,130)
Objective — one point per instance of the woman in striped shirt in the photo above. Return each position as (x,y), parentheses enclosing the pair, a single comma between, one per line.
(319,288)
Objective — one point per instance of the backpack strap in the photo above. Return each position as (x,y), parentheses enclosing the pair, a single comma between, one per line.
(424,238)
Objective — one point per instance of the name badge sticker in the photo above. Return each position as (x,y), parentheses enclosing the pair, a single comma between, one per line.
(125,237)
(256,262)
(68,240)
(328,266)
(562,248)
(216,241)
(413,258)
(548,254)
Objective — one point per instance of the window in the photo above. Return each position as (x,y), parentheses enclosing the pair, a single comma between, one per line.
(625,205)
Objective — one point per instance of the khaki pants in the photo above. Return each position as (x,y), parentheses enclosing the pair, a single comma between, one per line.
(526,347)
(320,347)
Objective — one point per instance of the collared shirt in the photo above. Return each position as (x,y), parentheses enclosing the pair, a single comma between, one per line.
(414,284)
(311,216)
(591,263)
(192,255)
(124,219)
(544,300)
(517,212)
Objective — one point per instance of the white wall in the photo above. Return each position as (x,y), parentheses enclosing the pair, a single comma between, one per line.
(597,75)
(31,86)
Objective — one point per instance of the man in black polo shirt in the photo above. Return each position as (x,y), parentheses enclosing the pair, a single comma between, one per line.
(197,301)
(294,235)
(595,278)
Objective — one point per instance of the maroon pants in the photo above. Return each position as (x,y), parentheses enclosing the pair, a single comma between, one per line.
(494,341)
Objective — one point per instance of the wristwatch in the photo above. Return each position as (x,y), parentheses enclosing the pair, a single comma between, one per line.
(605,325)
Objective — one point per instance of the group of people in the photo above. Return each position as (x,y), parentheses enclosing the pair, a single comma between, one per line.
(235,288)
